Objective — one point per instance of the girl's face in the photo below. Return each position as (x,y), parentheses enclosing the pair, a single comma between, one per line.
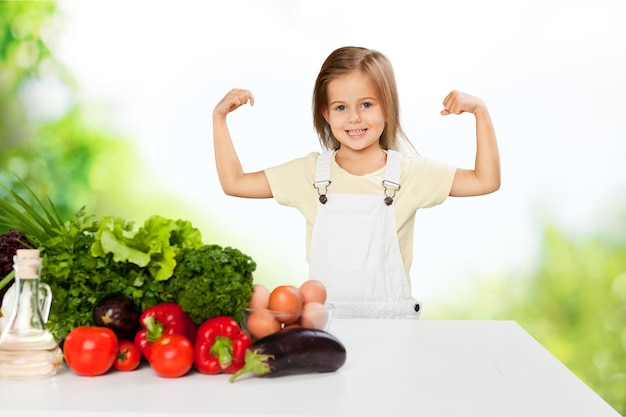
(354,112)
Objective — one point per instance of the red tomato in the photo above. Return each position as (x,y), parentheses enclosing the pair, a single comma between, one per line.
(90,350)
(128,356)
(171,356)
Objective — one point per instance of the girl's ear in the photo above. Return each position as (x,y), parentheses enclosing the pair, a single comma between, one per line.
(325,113)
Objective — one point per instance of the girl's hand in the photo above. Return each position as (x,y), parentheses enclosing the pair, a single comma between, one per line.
(232,101)
(457,102)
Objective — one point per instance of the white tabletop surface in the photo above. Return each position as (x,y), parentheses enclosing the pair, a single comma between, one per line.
(393,368)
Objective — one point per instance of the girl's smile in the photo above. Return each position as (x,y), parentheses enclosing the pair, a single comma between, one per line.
(356,133)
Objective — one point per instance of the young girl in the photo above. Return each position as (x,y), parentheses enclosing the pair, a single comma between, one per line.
(360,195)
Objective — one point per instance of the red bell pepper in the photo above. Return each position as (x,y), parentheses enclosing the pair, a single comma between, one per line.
(163,319)
(220,346)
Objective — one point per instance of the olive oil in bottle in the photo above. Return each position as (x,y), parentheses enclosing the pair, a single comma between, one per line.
(27,348)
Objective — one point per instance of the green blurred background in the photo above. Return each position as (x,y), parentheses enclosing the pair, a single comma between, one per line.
(572,298)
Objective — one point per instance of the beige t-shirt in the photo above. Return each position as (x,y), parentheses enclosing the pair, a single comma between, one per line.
(424,183)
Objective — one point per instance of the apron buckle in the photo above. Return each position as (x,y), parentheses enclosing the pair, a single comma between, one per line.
(389,185)
(319,185)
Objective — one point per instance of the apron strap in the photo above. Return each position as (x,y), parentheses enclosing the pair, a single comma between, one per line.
(393,168)
(322,174)
(322,169)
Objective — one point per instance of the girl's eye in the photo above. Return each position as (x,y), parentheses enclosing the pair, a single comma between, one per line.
(366,105)
(340,108)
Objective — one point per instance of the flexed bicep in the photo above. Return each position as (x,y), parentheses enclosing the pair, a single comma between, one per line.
(249,185)
(233,179)
(484,178)
(467,183)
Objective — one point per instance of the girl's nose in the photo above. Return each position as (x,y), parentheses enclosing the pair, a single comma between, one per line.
(355,117)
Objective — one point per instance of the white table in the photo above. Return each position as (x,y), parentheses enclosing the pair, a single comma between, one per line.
(393,368)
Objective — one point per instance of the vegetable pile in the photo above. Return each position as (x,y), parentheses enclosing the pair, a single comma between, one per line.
(156,293)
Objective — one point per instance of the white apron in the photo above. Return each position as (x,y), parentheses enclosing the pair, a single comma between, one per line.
(355,251)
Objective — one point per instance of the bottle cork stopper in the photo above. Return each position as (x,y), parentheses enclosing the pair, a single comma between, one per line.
(28,253)
(29,263)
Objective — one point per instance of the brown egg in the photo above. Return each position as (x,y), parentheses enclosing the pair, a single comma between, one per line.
(286,300)
(313,290)
(260,297)
(261,323)
(314,316)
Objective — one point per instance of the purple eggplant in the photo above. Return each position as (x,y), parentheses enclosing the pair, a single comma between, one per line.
(118,313)
(293,351)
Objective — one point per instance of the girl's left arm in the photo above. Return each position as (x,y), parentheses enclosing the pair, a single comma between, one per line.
(485,177)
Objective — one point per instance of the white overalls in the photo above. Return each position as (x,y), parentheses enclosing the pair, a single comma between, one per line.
(355,251)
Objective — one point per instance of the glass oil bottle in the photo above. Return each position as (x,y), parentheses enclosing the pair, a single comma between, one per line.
(27,348)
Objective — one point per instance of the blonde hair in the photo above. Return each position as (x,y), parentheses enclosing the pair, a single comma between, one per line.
(375,66)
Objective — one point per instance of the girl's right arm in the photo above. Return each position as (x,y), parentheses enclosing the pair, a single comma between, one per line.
(233,180)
